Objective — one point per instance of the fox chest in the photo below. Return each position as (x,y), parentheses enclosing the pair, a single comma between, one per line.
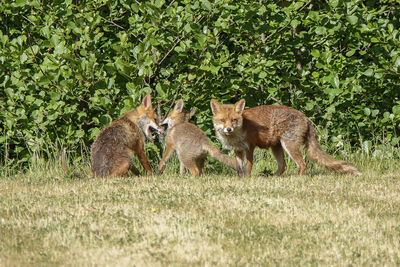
(233,142)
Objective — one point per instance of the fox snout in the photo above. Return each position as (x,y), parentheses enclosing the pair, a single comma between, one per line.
(228,130)
(167,122)
(150,126)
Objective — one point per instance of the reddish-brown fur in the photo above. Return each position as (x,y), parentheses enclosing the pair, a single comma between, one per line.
(280,127)
(111,152)
(190,143)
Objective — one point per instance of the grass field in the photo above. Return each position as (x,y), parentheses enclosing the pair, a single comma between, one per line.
(48,217)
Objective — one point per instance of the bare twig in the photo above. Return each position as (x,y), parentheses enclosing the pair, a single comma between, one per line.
(28,20)
(284,26)
(177,40)
(113,23)
(276,100)
(37,63)
(170,4)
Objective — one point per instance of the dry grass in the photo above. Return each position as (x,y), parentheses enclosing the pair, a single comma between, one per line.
(51,218)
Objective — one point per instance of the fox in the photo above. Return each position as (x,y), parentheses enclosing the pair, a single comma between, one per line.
(190,142)
(111,152)
(280,128)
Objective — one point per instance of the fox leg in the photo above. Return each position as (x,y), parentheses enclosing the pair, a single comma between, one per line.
(277,150)
(200,165)
(192,166)
(120,167)
(142,157)
(249,158)
(169,148)
(133,169)
(181,168)
(293,149)
(239,159)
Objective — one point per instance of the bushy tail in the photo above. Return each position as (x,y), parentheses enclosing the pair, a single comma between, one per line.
(221,157)
(315,153)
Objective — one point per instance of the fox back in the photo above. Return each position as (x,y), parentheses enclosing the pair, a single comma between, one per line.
(115,143)
(280,127)
(261,126)
(112,149)
(190,143)
(186,137)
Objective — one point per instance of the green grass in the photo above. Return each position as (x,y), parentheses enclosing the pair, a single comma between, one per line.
(48,217)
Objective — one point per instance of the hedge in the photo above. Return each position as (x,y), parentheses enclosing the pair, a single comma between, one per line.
(69,67)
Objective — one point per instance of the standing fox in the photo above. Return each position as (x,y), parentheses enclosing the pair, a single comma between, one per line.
(190,143)
(278,127)
(111,152)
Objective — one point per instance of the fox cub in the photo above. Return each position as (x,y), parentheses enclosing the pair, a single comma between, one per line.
(280,127)
(111,152)
(190,143)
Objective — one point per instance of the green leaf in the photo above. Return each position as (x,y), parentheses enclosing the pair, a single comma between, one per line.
(9,92)
(298,4)
(19,3)
(396,110)
(206,5)
(397,62)
(374,40)
(334,3)
(187,28)
(335,81)
(214,69)
(201,38)
(23,58)
(159,3)
(55,96)
(369,72)
(320,30)
(350,53)
(352,19)
(309,106)
(79,133)
(386,115)
(294,23)
(313,15)
(374,113)
(390,27)
(262,75)
(130,87)
(160,91)
(315,53)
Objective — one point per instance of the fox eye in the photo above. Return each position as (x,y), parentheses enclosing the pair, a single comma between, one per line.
(222,120)
(234,120)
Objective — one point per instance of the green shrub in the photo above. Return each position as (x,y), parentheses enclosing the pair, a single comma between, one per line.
(69,67)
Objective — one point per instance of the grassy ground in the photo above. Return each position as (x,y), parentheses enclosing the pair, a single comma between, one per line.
(48,217)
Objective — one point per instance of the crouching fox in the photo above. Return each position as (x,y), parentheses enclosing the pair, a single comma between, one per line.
(280,127)
(190,143)
(111,152)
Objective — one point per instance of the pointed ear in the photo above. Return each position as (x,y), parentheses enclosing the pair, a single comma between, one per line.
(147,101)
(214,106)
(239,106)
(179,105)
(192,111)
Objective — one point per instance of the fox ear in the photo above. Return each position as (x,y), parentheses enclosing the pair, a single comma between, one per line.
(179,105)
(192,111)
(239,106)
(147,101)
(214,106)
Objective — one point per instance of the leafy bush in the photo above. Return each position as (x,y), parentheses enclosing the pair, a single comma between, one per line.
(69,67)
